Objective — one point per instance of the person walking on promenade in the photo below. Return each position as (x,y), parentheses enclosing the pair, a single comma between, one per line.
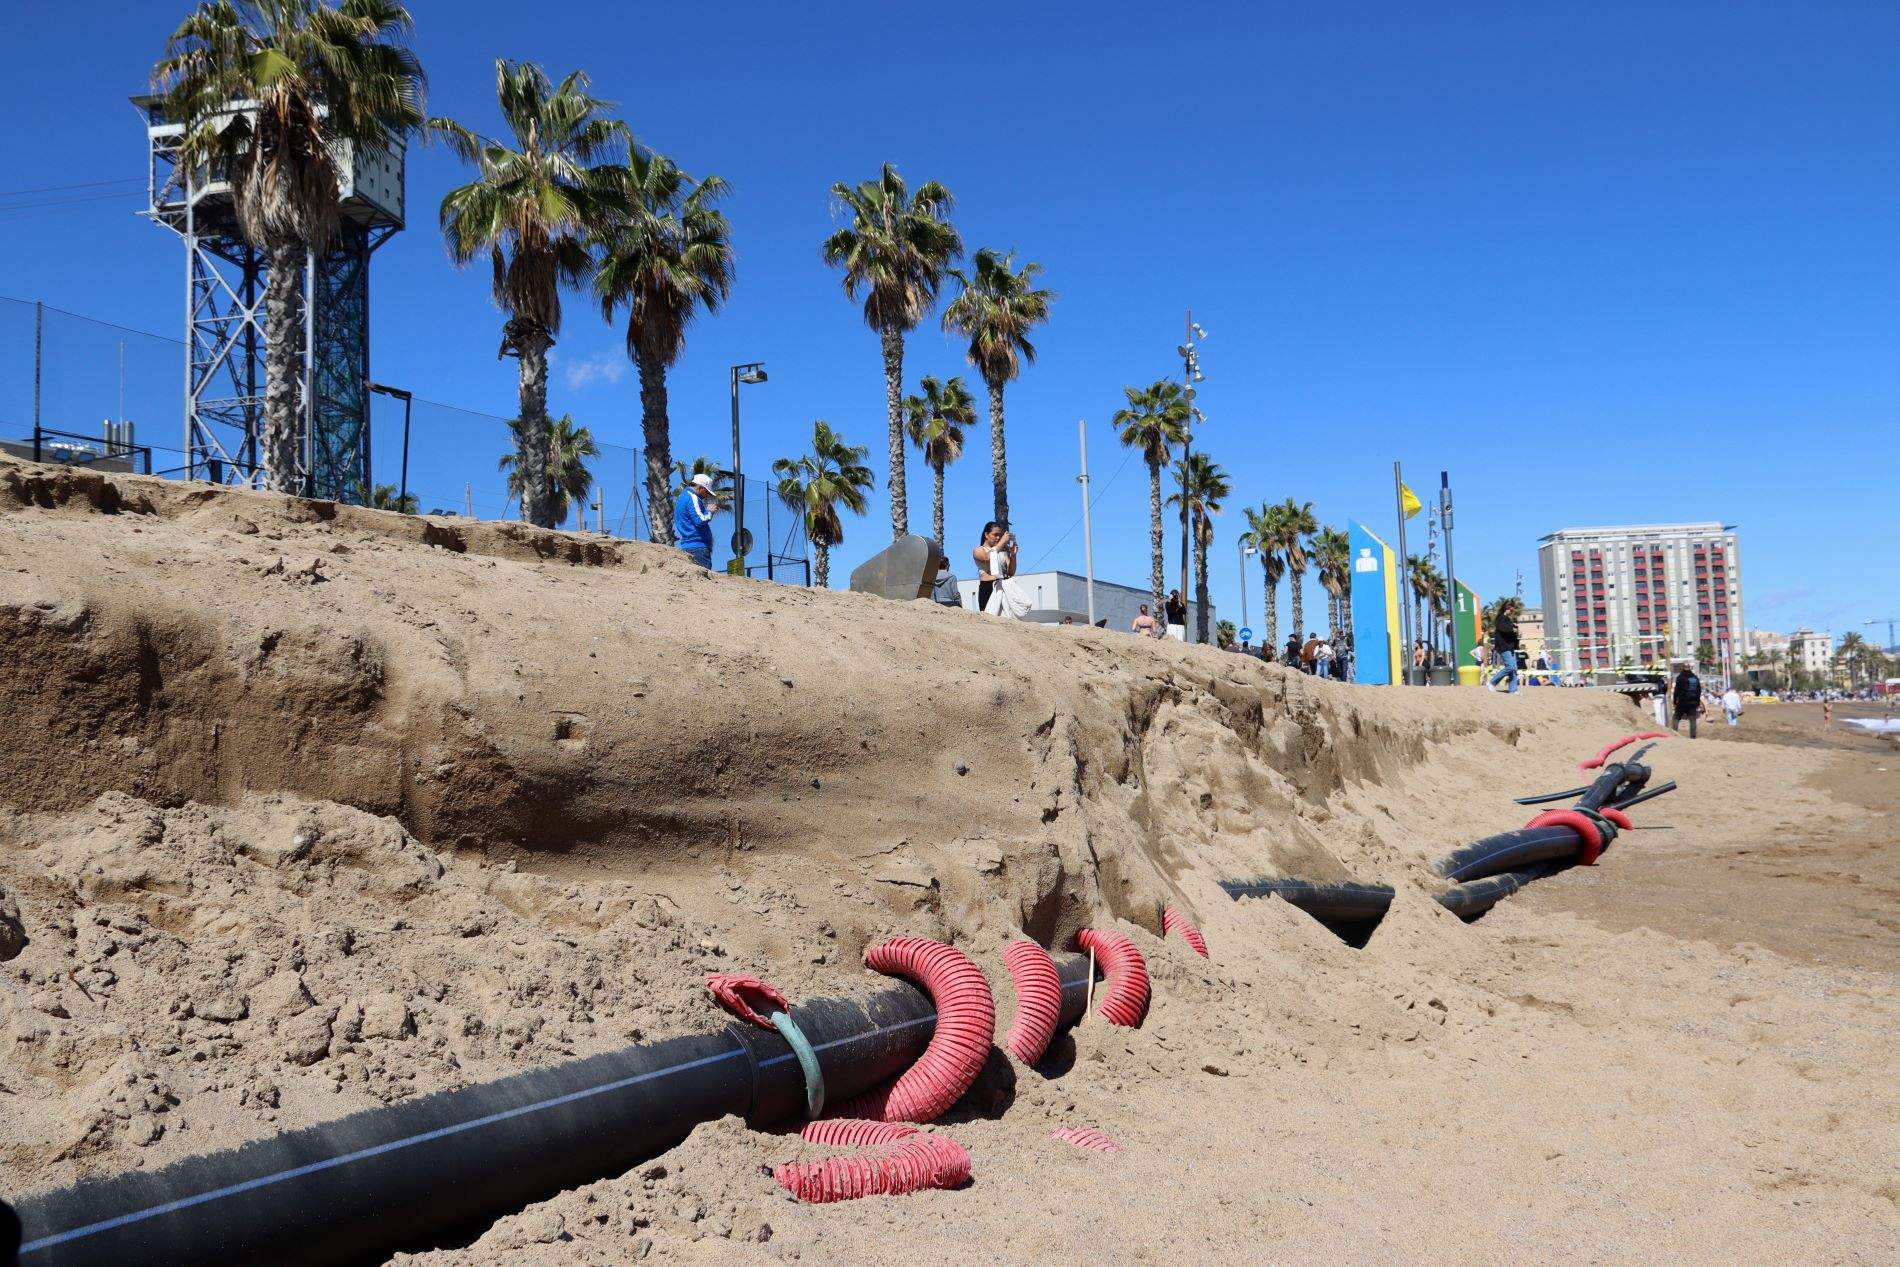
(692,519)
(1504,644)
(1732,704)
(1687,698)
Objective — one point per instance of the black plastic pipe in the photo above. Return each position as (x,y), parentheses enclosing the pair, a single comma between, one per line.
(388,1178)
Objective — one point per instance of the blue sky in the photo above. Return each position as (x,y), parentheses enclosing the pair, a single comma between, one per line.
(1609,263)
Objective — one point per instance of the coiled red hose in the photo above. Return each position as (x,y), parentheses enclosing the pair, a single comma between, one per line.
(1086,1137)
(1617,816)
(899,1159)
(966,1022)
(1038,1000)
(1604,755)
(1125,1000)
(1172,921)
(1580,823)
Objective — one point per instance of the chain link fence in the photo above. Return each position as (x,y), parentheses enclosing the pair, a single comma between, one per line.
(88,392)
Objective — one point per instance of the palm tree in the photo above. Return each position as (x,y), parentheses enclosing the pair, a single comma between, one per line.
(1426,585)
(1332,551)
(1262,531)
(565,460)
(1202,485)
(322,79)
(385,497)
(935,421)
(1154,421)
(896,251)
(701,465)
(1293,523)
(997,309)
(534,208)
(665,258)
(832,475)
(1852,654)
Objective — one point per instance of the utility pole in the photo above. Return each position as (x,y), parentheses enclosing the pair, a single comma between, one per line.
(1088,541)
(1407,634)
(1190,375)
(1451,573)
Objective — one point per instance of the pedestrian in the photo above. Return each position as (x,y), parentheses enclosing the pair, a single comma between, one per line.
(1732,704)
(944,591)
(1006,599)
(1144,623)
(985,580)
(1323,659)
(692,519)
(1687,698)
(1504,643)
(1290,657)
(1177,610)
(1310,652)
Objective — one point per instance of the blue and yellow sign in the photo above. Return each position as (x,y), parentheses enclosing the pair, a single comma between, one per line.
(1377,655)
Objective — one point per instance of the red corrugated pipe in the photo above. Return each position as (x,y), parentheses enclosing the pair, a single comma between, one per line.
(1038,1000)
(1597,761)
(898,1159)
(1172,921)
(966,1022)
(1086,1137)
(1125,1000)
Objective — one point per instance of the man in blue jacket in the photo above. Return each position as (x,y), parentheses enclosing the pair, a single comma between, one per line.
(692,519)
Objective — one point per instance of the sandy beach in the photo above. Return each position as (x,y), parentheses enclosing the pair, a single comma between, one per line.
(310,808)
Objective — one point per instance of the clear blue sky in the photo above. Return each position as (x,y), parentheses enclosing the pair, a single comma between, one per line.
(1607,263)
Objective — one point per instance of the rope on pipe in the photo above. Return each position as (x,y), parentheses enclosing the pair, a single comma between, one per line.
(966,1022)
(1125,1001)
(1038,1000)
(1172,921)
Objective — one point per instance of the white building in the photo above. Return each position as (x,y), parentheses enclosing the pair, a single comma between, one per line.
(1812,652)
(1054,595)
(1641,595)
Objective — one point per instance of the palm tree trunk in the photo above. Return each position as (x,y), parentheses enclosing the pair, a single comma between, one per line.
(1295,577)
(894,407)
(999,461)
(531,344)
(656,434)
(283,367)
(821,567)
(1200,584)
(1155,546)
(1272,588)
(936,507)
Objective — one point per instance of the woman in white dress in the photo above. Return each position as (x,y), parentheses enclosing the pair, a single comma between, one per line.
(1006,596)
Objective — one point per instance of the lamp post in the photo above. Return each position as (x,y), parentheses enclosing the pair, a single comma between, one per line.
(397,393)
(1245,551)
(1190,375)
(750,372)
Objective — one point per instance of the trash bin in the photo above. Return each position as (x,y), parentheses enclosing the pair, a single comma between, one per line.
(1442,675)
(1470,675)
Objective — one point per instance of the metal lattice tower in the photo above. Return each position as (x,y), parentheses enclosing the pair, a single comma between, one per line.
(224,317)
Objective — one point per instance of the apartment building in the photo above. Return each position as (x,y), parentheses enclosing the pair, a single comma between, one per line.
(1641,595)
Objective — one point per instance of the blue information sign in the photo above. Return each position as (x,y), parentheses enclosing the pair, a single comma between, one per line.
(1246,635)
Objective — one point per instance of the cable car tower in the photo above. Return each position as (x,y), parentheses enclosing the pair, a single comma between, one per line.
(224,316)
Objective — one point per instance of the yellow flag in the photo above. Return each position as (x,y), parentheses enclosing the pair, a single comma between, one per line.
(1409,502)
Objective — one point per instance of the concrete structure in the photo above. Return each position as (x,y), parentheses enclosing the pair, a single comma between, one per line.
(1764,643)
(1641,595)
(1053,595)
(904,569)
(1812,652)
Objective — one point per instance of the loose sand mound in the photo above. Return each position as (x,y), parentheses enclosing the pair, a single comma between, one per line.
(310,808)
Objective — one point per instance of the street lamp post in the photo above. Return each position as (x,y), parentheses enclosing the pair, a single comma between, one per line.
(1190,375)
(751,372)
(1245,550)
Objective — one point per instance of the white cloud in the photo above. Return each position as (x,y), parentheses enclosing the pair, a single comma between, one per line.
(600,367)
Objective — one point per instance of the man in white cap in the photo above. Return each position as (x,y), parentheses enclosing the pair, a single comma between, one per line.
(692,519)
